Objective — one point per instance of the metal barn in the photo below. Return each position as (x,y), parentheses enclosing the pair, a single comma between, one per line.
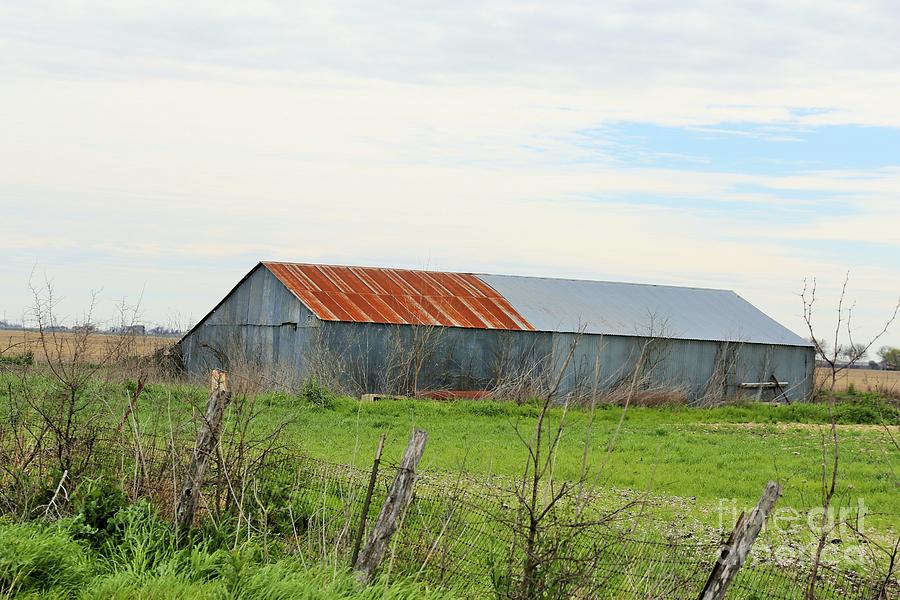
(382,330)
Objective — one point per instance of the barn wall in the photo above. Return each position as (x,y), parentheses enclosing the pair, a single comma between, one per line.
(372,354)
(467,359)
(259,326)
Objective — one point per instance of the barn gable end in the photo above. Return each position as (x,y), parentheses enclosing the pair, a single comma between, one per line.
(259,320)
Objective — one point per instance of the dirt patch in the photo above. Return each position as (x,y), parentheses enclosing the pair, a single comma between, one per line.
(802,426)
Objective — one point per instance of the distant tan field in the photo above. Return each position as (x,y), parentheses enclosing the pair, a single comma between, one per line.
(96,347)
(863,380)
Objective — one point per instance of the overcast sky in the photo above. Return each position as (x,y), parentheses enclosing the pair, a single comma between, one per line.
(158,150)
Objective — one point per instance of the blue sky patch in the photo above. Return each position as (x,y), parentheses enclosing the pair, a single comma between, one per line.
(746,210)
(750,148)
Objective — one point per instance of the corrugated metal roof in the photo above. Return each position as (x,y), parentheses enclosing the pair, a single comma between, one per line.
(398,296)
(630,309)
(404,296)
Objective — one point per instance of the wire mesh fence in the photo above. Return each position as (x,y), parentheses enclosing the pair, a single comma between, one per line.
(460,531)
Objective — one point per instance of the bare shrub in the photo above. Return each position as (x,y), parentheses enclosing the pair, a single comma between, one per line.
(853,351)
(411,348)
(536,497)
(520,382)
(325,364)
(716,390)
(556,526)
(649,397)
(72,360)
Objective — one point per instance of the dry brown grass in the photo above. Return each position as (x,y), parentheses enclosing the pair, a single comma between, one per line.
(17,342)
(863,380)
(649,398)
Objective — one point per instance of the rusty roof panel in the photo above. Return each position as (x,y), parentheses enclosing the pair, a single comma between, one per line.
(398,296)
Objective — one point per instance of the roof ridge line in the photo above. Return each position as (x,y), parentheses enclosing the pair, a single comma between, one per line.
(608,281)
(480,274)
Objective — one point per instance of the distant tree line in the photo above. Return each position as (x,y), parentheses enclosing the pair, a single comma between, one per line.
(854,356)
(890,357)
(138,329)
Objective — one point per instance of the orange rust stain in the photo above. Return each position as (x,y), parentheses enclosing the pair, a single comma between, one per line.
(398,296)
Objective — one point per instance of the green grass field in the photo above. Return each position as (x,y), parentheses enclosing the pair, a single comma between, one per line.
(706,457)
(139,557)
(698,465)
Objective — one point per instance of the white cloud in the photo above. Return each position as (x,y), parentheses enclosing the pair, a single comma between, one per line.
(172,145)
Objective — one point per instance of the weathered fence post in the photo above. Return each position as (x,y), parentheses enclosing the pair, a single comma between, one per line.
(357,542)
(207,439)
(733,554)
(398,499)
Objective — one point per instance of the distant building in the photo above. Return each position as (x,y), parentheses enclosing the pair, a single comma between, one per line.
(438,331)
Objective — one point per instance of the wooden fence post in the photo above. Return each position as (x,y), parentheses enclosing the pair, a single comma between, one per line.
(733,554)
(398,499)
(357,542)
(207,439)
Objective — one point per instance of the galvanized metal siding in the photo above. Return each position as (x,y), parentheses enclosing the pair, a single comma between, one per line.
(260,300)
(759,363)
(689,365)
(469,359)
(461,359)
(260,323)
